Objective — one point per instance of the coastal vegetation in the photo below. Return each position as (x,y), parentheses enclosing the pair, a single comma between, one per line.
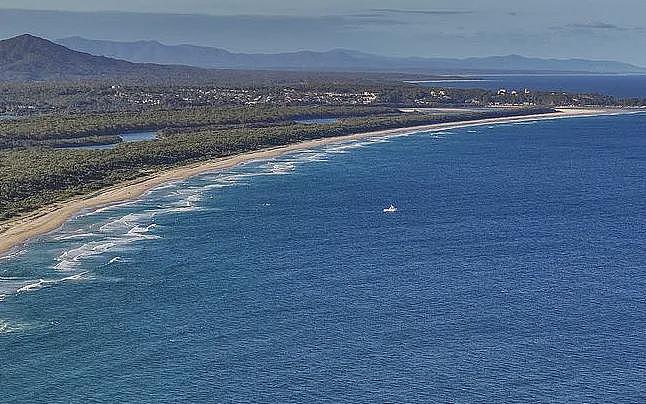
(93,129)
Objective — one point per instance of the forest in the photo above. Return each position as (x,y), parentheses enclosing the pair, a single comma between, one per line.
(102,128)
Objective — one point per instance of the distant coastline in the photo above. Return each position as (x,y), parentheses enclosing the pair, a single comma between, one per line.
(18,231)
(620,85)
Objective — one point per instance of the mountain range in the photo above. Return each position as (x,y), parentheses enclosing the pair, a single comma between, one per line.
(335,60)
(30,58)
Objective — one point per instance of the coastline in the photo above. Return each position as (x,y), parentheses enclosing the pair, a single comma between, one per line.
(16,232)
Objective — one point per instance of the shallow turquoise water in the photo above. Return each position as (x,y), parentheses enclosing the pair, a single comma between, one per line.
(513,271)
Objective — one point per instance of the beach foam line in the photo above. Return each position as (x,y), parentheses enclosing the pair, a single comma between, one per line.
(312,157)
(14,286)
(14,254)
(18,231)
(108,208)
(71,259)
(32,286)
(74,236)
(42,283)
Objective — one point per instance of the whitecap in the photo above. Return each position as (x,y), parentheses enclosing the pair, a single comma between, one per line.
(194,198)
(280,168)
(179,209)
(9,286)
(140,232)
(345,148)
(308,156)
(74,236)
(14,254)
(30,287)
(128,221)
(379,140)
(114,260)
(70,259)
(26,286)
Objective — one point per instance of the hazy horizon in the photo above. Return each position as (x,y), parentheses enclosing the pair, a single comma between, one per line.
(452,29)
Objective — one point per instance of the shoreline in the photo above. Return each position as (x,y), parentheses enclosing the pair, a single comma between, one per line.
(16,232)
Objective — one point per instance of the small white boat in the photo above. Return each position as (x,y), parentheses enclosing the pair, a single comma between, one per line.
(391,209)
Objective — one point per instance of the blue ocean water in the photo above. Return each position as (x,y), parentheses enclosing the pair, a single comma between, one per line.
(513,271)
(623,86)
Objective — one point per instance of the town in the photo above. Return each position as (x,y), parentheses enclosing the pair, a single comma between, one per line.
(64,98)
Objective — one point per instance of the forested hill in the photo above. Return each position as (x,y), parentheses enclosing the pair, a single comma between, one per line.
(30,58)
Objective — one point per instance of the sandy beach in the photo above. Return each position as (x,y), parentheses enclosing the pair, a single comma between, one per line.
(17,231)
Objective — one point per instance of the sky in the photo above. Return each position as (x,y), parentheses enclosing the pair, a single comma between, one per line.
(591,29)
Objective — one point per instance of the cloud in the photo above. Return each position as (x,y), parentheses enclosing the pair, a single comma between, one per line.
(596,26)
(421,12)
(360,20)
(248,33)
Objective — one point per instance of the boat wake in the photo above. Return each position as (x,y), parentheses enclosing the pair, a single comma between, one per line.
(8,328)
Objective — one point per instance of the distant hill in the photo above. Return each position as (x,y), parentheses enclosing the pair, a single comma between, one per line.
(335,60)
(30,58)
(27,58)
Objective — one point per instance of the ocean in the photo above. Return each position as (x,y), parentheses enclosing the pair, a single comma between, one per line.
(513,271)
(622,86)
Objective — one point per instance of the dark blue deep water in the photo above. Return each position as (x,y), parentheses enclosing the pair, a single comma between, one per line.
(514,271)
(622,86)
